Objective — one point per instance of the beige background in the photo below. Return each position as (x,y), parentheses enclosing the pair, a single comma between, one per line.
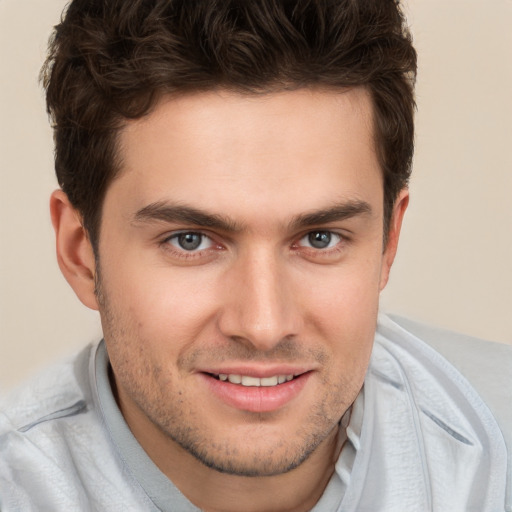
(454,266)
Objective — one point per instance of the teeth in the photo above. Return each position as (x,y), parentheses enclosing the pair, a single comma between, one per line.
(269,381)
(251,381)
(246,380)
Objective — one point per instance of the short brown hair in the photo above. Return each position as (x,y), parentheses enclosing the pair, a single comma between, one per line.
(111,60)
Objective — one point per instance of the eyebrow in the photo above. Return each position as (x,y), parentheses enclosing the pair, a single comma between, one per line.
(176,213)
(182,214)
(338,212)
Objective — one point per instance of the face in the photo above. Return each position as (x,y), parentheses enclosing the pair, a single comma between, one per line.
(240,263)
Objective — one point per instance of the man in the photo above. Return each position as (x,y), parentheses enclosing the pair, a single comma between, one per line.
(233,181)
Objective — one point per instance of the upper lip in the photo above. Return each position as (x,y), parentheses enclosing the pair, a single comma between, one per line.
(262,371)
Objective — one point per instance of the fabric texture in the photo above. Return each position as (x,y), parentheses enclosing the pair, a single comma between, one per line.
(420,438)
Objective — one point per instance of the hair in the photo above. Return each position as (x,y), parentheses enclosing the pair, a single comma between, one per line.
(112,60)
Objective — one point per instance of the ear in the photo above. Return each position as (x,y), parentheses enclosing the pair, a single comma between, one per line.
(395,226)
(74,250)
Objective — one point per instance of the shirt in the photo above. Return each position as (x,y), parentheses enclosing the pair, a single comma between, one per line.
(420,438)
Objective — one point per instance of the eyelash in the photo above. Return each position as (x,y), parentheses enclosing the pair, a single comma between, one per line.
(325,253)
(182,253)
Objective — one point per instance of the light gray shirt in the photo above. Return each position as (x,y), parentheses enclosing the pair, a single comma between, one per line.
(420,439)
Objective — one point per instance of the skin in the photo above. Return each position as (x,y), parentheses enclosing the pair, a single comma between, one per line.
(253,177)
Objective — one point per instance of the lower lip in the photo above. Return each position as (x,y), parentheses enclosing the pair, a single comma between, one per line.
(256,398)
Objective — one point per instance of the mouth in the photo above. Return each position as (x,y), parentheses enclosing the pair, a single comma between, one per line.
(250,381)
(252,393)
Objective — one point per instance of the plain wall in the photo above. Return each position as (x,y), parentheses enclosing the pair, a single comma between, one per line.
(454,266)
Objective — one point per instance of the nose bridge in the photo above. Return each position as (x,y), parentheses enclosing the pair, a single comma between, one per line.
(260,308)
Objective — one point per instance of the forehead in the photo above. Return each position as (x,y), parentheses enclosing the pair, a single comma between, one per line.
(218,147)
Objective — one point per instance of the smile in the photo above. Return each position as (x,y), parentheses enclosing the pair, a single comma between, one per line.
(248,391)
(246,380)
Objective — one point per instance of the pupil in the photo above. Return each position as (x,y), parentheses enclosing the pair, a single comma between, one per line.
(189,241)
(320,239)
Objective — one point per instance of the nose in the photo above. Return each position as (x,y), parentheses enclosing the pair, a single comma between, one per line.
(260,307)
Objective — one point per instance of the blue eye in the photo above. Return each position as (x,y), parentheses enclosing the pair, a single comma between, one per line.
(320,239)
(190,241)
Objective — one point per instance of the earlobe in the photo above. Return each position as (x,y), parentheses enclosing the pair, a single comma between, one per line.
(74,250)
(395,226)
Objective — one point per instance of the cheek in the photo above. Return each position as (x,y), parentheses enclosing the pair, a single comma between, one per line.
(158,305)
(344,311)
(346,295)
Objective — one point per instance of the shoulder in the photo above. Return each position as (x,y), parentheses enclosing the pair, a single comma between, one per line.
(486,365)
(481,366)
(59,391)
(55,447)
(48,428)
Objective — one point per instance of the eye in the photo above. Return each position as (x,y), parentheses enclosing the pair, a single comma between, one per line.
(190,241)
(320,240)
